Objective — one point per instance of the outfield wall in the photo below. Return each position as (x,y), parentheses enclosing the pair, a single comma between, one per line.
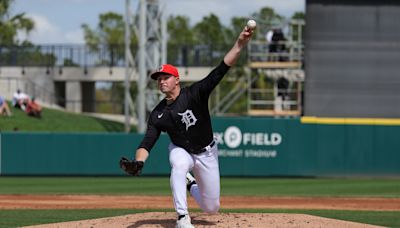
(248,147)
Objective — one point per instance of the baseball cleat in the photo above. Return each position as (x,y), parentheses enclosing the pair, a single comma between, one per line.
(184,221)
(190,181)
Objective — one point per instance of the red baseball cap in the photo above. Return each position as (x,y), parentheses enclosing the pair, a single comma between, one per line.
(165,69)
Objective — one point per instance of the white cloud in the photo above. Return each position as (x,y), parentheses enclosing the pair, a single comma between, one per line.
(57,27)
(46,32)
(227,9)
(42,24)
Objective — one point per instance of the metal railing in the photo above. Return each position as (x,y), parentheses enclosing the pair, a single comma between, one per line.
(276,61)
(266,99)
(62,55)
(106,56)
(279,51)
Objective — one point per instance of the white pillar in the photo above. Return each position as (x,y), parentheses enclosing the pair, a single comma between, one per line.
(142,68)
(73,96)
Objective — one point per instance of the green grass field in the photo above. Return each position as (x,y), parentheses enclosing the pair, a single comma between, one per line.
(388,188)
(57,121)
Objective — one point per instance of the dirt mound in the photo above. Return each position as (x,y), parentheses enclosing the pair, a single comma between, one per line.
(167,219)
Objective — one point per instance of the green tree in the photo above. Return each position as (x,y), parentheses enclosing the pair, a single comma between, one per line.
(180,39)
(179,30)
(109,34)
(267,19)
(237,24)
(209,31)
(299,15)
(210,37)
(19,52)
(10,25)
(298,27)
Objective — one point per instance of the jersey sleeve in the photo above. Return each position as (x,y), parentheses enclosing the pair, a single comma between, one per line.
(151,136)
(204,87)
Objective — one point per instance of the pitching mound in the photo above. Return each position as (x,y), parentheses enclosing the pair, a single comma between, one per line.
(166,219)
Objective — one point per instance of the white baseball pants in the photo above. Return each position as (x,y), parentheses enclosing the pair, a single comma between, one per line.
(206,171)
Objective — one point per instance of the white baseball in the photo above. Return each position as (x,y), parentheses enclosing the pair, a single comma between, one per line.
(251,24)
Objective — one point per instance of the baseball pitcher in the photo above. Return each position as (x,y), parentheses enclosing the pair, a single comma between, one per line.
(184,115)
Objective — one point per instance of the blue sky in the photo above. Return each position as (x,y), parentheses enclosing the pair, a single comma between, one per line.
(59,21)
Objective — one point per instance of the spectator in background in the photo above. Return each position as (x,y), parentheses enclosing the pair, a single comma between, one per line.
(278,41)
(268,36)
(271,46)
(283,92)
(4,108)
(20,100)
(33,109)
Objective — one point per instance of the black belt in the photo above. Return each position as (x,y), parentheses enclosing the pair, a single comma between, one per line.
(205,148)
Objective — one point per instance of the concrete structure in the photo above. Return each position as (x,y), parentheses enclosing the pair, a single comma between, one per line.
(72,87)
(352,57)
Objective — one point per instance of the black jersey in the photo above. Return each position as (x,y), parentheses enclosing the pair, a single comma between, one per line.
(187,120)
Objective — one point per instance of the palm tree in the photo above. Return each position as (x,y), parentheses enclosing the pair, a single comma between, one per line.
(11,24)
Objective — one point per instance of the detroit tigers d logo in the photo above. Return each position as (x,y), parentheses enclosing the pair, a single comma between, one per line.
(188,118)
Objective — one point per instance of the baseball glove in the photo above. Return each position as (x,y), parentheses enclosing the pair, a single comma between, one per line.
(133,168)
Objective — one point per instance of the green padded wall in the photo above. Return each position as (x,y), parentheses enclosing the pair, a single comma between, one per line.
(248,147)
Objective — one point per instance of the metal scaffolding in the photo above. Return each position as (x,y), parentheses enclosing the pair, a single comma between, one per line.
(149,26)
(283,67)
